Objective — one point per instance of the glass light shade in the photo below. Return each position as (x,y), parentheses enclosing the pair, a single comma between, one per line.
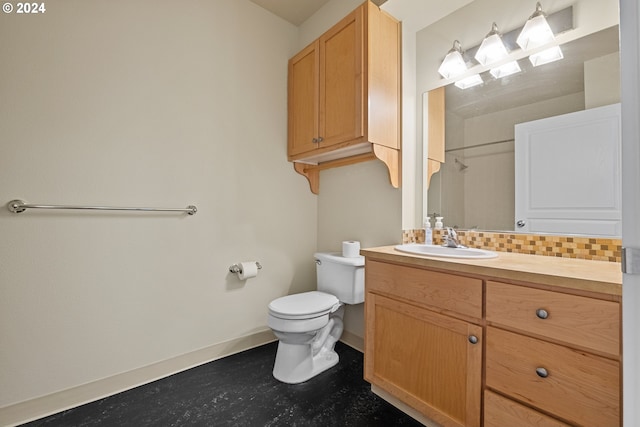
(470,81)
(492,48)
(546,56)
(535,33)
(505,70)
(453,64)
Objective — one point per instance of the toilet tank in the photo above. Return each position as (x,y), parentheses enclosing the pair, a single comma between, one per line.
(340,276)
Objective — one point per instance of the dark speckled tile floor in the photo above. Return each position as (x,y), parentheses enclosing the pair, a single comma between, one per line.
(240,390)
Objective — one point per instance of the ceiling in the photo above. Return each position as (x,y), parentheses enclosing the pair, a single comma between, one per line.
(294,11)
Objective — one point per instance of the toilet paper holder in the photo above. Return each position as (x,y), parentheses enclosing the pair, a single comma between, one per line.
(237,268)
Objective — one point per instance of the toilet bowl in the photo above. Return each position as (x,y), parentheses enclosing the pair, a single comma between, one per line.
(309,324)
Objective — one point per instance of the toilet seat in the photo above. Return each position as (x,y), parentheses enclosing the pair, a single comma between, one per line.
(305,305)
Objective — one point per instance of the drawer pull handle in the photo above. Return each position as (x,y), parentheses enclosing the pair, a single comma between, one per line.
(542,313)
(473,339)
(542,373)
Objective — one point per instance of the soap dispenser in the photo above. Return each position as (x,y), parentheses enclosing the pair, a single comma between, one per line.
(439,224)
(428,232)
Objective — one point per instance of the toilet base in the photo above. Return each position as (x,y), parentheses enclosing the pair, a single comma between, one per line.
(303,356)
(295,364)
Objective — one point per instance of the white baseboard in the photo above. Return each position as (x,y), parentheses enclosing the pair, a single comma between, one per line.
(403,407)
(34,409)
(353,340)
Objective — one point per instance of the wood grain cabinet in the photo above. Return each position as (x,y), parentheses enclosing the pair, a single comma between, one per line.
(473,351)
(344,96)
(555,352)
(423,343)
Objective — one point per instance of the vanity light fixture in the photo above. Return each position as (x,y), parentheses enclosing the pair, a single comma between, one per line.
(548,55)
(492,48)
(500,54)
(470,81)
(505,70)
(453,64)
(536,31)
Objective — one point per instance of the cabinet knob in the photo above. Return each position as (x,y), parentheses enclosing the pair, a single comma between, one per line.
(542,313)
(521,223)
(473,339)
(320,139)
(315,140)
(542,373)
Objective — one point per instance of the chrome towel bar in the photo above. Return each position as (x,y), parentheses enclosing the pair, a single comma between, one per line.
(18,206)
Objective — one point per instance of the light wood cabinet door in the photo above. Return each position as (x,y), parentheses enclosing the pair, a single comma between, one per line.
(303,100)
(341,81)
(425,359)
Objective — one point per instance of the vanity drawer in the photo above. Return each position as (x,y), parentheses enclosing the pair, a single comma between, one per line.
(500,412)
(574,385)
(441,292)
(586,322)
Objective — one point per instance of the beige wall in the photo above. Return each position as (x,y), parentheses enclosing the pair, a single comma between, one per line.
(602,81)
(145,103)
(358,203)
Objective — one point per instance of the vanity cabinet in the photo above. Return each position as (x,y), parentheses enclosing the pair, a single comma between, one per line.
(344,96)
(423,340)
(495,343)
(558,353)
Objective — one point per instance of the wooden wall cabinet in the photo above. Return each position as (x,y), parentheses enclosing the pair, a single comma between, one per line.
(344,96)
(423,342)
(474,351)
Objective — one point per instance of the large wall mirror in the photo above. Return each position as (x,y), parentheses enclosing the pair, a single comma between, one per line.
(476,186)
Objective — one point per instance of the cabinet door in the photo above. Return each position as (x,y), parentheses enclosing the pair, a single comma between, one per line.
(303,100)
(342,81)
(424,359)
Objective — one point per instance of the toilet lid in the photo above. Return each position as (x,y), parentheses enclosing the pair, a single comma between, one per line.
(304,305)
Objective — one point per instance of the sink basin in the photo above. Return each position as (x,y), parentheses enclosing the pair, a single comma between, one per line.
(444,252)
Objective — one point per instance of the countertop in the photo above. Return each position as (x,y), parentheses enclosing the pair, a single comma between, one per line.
(576,274)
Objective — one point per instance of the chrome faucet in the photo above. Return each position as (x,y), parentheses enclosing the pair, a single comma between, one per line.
(451,239)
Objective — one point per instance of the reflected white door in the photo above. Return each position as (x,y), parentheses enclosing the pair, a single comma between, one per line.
(568,177)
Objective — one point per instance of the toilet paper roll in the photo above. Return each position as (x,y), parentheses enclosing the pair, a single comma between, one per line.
(248,269)
(350,249)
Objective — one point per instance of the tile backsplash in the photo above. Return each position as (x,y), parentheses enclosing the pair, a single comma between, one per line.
(593,248)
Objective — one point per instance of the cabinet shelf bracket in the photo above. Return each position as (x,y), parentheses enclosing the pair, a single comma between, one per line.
(391,158)
(312,173)
(388,156)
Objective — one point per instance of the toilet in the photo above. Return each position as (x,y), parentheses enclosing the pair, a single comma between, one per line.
(309,324)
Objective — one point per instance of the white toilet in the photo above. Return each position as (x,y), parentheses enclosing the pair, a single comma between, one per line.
(309,324)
